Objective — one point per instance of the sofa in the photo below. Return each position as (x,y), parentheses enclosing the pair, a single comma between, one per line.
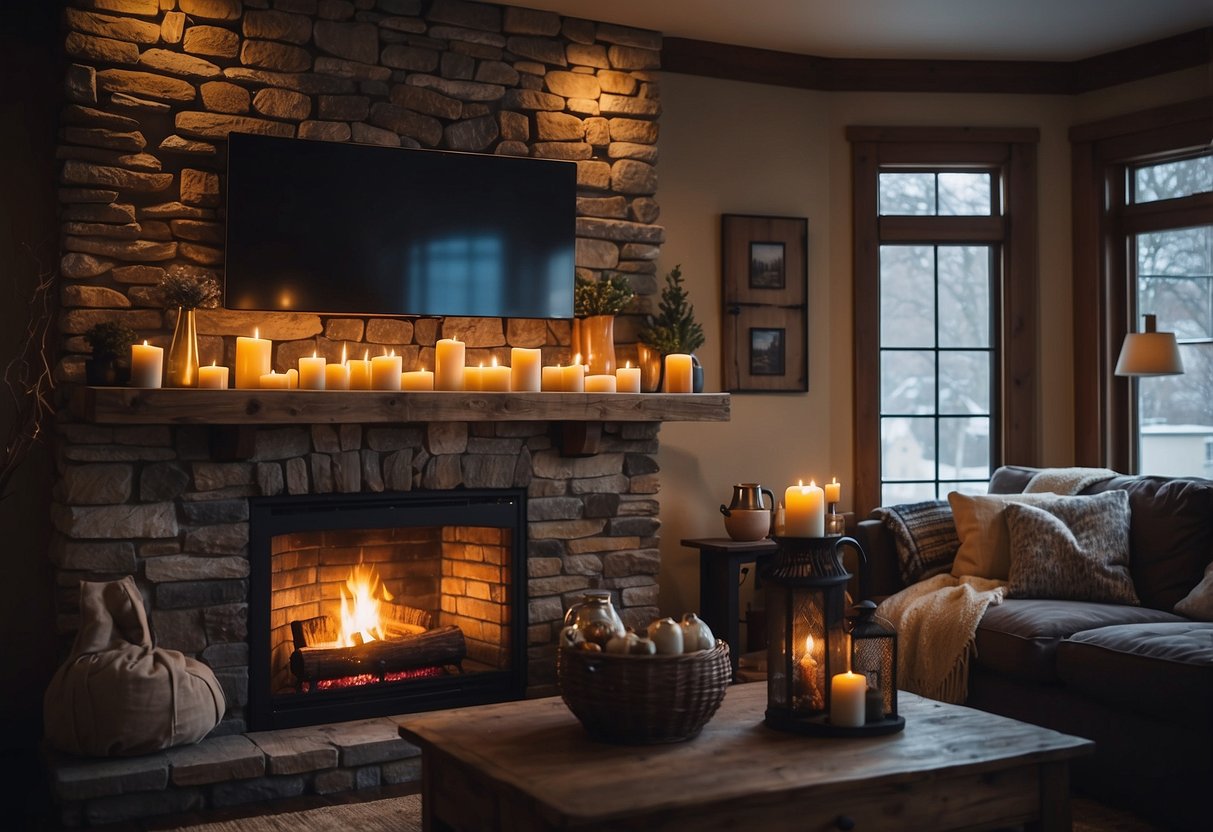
(1135,678)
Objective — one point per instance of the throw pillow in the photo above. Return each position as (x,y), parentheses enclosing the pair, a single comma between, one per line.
(1198,603)
(925,536)
(985,550)
(1075,548)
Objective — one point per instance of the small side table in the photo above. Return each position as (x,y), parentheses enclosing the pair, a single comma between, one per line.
(720,560)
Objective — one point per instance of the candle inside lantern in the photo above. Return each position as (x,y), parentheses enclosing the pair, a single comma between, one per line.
(213,377)
(385,371)
(525,375)
(417,380)
(848,706)
(804,515)
(337,376)
(360,372)
(448,365)
(627,379)
(600,384)
(833,490)
(551,379)
(572,377)
(311,372)
(253,360)
(494,379)
(678,373)
(147,365)
(810,672)
(275,381)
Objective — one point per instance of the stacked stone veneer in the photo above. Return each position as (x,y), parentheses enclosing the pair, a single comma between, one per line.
(154,87)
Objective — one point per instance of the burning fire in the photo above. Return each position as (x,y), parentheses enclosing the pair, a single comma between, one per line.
(360,620)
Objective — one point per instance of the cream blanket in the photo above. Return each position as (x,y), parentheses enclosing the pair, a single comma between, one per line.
(936,622)
(1066,480)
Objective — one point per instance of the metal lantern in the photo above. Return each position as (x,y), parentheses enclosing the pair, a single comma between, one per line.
(874,655)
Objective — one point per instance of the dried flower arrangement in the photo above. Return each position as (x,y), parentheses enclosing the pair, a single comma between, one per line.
(181,288)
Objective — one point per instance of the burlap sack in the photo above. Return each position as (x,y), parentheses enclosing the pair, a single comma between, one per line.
(117,695)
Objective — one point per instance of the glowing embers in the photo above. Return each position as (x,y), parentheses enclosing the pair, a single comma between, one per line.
(368,679)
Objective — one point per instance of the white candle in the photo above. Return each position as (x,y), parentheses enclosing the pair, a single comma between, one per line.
(213,377)
(360,372)
(627,379)
(678,373)
(847,704)
(804,514)
(572,377)
(311,372)
(525,365)
(473,378)
(495,379)
(275,381)
(385,371)
(417,380)
(833,490)
(600,384)
(337,376)
(147,365)
(551,379)
(253,360)
(810,670)
(448,365)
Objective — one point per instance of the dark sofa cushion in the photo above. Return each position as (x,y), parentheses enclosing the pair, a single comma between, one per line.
(1019,637)
(1161,670)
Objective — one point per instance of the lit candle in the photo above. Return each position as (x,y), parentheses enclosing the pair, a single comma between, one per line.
(274,381)
(525,365)
(572,377)
(678,373)
(253,360)
(337,376)
(448,365)
(600,384)
(627,379)
(147,365)
(833,490)
(417,380)
(809,676)
(804,514)
(494,379)
(551,379)
(213,377)
(847,699)
(360,372)
(311,372)
(385,371)
(473,378)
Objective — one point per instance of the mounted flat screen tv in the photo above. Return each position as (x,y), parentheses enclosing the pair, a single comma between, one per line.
(339,228)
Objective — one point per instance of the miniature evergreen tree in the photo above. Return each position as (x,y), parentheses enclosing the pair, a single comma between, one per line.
(674,329)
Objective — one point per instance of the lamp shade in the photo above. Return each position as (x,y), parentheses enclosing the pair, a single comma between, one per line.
(1149,353)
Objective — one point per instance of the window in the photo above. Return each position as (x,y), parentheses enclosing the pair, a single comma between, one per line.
(1147,179)
(944,309)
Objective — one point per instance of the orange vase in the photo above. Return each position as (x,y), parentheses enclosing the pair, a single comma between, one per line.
(598,344)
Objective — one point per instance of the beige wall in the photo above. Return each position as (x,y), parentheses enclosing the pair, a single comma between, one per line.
(732,147)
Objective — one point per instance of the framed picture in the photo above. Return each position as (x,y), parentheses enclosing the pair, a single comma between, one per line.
(764,269)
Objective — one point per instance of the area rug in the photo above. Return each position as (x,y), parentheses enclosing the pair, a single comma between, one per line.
(393,814)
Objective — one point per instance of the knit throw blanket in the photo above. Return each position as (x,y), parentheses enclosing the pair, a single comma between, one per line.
(1066,480)
(936,623)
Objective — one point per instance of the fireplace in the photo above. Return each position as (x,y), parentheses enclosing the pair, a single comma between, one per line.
(366,605)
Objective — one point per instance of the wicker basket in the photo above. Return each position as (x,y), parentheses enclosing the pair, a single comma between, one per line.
(643,699)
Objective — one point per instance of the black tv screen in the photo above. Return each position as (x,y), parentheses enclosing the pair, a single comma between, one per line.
(329,227)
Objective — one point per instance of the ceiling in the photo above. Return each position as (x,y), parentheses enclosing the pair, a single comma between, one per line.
(1039,30)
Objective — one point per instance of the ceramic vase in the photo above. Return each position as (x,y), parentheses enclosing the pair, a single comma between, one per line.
(598,344)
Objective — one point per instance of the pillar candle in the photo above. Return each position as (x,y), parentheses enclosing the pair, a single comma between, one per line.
(337,376)
(312,373)
(292,378)
(213,377)
(494,379)
(253,360)
(678,373)
(551,379)
(833,490)
(274,381)
(847,705)
(805,511)
(600,384)
(572,377)
(417,380)
(525,365)
(385,372)
(147,365)
(627,379)
(448,365)
(809,669)
(473,378)
(360,372)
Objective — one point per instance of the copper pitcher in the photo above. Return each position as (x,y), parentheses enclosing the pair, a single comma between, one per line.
(748,497)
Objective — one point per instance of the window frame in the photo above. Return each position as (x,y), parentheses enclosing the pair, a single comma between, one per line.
(1102,154)
(1010,155)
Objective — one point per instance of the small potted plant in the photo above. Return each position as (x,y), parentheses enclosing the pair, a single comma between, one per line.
(673,330)
(186,291)
(595,305)
(109,365)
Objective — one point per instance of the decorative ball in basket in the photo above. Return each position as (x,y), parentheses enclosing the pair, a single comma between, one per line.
(630,689)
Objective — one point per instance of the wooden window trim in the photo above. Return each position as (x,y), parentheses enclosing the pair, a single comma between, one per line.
(1011,153)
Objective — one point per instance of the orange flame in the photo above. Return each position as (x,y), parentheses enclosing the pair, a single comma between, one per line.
(360,606)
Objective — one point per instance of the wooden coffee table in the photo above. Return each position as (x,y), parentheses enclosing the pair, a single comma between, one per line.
(530,765)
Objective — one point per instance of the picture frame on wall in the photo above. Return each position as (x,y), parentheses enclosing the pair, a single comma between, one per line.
(764,270)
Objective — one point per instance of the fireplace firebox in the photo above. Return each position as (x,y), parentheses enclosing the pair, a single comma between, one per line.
(365,605)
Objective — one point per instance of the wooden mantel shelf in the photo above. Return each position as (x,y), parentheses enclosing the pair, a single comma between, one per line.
(175,406)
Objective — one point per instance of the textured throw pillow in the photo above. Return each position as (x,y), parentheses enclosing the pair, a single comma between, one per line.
(985,550)
(925,536)
(1198,603)
(1075,548)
